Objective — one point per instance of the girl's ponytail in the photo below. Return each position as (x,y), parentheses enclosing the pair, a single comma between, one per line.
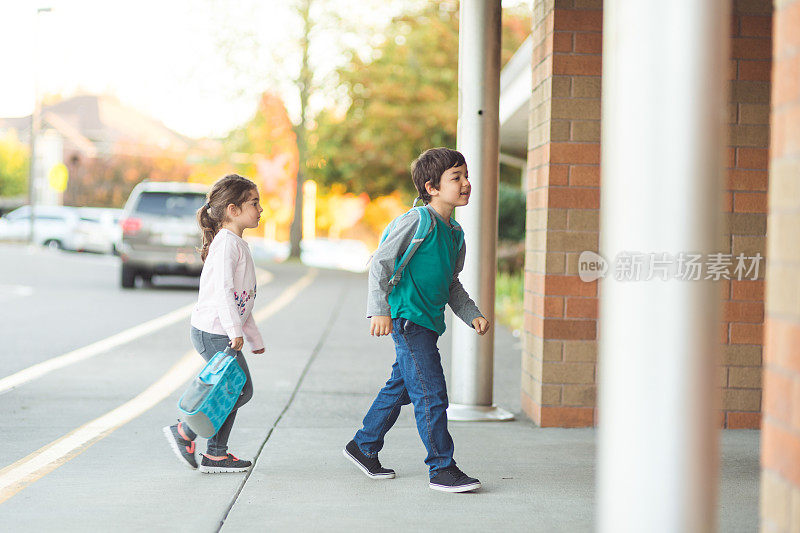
(232,189)
(208,229)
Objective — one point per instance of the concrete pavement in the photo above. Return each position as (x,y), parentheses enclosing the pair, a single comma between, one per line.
(312,388)
(533,479)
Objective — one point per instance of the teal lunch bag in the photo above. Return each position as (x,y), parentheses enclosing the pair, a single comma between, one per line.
(212,394)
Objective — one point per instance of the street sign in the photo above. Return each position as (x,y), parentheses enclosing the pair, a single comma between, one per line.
(57,177)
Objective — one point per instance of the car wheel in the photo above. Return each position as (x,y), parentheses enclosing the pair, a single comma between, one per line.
(128,277)
(53,244)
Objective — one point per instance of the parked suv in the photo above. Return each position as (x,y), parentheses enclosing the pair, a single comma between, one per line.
(159,231)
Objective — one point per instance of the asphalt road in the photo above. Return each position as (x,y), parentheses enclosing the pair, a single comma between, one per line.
(54,303)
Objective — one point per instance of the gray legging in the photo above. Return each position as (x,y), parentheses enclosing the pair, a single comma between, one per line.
(207,345)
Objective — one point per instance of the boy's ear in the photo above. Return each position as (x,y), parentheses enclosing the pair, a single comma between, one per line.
(433,191)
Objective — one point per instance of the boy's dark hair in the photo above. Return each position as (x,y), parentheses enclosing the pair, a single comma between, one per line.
(430,166)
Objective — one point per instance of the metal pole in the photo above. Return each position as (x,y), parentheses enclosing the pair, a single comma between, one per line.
(478,140)
(664,69)
(33,169)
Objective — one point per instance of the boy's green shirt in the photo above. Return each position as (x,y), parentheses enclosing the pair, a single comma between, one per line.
(429,281)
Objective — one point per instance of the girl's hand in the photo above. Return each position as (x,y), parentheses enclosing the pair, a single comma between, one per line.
(259,351)
(237,343)
(481,325)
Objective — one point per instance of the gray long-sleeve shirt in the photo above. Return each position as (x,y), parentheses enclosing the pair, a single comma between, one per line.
(392,248)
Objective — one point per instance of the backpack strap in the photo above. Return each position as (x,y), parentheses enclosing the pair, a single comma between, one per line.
(424,227)
(458,234)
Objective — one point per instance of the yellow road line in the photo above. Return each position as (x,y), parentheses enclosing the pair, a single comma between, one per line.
(104,345)
(17,476)
(22,473)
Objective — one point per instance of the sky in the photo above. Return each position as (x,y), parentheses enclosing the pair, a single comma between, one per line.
(196,65)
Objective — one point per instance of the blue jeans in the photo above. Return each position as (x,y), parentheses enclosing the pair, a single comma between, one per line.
(207,345)
(417,378)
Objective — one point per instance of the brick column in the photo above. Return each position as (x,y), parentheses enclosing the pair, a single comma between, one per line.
(746,207)
(780,444)
(558,378)
(559,358)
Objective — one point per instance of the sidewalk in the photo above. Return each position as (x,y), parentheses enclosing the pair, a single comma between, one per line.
(533,479)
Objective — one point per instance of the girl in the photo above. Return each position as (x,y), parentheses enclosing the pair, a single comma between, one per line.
(222,315)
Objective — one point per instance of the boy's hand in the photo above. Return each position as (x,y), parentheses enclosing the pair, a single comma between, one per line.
(481,325)
(237,343)
(259,351)
(380,325)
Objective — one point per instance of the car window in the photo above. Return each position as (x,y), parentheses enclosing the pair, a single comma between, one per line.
(170,204)
(17,214)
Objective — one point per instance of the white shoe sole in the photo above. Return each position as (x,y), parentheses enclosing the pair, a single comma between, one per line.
(366,472)
(175,449)
(460,488)
(220,469)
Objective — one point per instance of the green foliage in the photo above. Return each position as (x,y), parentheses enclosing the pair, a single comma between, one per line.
(511,216)
(402,100)
(510,175)
(14,161)
(508,303)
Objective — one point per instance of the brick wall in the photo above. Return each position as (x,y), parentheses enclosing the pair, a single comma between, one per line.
(559,358)
(780,444)
(746,209)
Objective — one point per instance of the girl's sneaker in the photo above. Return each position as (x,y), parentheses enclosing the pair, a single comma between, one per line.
(230,464)
(184,449)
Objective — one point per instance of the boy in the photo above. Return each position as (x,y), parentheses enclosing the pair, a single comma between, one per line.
(413,312)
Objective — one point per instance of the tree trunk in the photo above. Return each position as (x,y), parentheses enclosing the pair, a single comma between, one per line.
(304,87)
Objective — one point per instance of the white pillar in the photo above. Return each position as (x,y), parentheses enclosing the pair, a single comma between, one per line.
(664,71)
(478,139)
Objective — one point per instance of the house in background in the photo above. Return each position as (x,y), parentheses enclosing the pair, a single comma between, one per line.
(82,130)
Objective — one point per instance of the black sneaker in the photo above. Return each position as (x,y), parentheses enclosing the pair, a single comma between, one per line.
(369,465)
(451,479)
(184,449)
(231,463)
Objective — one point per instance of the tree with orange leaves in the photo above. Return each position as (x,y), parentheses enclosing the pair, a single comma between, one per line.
(267,145)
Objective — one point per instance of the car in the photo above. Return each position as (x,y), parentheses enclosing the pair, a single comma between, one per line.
(160,235)
(98,230)
(54,226)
